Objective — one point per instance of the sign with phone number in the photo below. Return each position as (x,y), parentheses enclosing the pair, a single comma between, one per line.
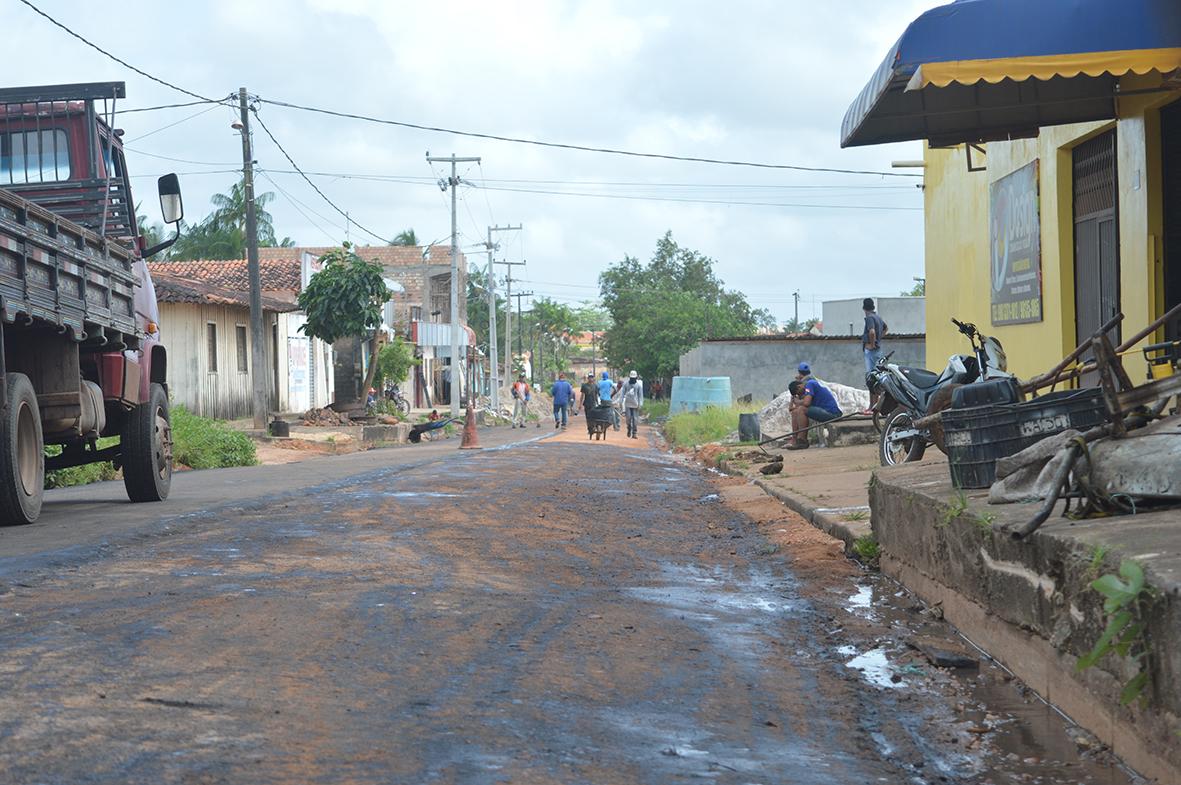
(1015,247)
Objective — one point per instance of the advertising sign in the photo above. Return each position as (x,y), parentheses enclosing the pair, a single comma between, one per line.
(1015,245)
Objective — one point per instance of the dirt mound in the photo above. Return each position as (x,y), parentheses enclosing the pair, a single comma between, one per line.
(325,417)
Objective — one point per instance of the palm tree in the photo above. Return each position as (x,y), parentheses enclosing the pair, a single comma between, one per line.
(405,237)
(230,212)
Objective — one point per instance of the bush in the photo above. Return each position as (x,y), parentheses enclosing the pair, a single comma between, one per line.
(202,443)
(80,475)
(710,424)
(656,410)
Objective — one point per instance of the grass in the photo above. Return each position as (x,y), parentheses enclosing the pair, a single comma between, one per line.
(985,520)
(655,410)
(1098,554)
(867,548)
(856,515)
(710,424)
(197,442)
(957,507)
(202,443)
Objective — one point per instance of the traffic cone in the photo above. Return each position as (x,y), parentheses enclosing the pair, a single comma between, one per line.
(470,442)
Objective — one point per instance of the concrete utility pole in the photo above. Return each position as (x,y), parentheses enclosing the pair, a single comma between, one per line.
(493,358)
(457,365)
(258,352)
(508,320)
(796,296)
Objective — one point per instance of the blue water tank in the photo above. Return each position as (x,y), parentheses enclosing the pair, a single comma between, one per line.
(691,393)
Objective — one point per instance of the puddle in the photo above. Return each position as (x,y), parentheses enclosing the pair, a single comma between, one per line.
(710,497)
(875,668)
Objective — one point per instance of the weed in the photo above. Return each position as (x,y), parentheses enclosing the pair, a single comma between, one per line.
(202,443)
(330,439)
(957,507)
(1098,553)
(856,515)
(867,548)
(984,521)
(711,424)
(768,549)
(1127,598)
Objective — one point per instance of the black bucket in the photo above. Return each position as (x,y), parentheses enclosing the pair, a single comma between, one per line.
(979,436)
(748,428)
(280,428)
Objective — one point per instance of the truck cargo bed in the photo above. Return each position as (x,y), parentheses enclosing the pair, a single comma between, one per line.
(56,272)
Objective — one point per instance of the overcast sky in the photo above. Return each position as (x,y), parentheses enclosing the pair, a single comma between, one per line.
(755,81)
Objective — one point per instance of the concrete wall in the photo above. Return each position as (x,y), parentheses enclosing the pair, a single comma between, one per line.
(762,367)
(903,315)
(957,233)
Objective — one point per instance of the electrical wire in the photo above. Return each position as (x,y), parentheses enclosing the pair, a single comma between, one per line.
(178,122)
(295,204)
(707,201)
(315,187)
(223,102)
(107,54)
(184,160)
(581,148)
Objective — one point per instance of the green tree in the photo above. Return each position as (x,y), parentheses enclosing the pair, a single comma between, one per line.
(918,290)
(405,237)
(554,324)
(792,326)
(394,362)
(222,234)
(661,310)
(344,299)
(477,310)
(152,234)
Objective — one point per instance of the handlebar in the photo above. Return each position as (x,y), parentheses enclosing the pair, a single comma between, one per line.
(967,329)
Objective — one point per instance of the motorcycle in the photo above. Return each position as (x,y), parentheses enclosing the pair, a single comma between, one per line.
(393,394)
(904,395)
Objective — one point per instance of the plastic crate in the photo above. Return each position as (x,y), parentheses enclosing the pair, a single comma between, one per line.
(979,436)
(994,391)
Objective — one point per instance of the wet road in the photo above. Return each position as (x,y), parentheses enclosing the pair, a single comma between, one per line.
(549,613)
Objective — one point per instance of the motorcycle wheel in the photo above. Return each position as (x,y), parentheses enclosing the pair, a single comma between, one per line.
(403,406)
(909,450)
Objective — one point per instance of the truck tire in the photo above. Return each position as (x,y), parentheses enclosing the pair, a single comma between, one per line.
(22,454)
(147,449)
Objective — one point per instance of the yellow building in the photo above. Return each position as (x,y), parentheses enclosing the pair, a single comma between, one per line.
(1104,222)
(1052,168)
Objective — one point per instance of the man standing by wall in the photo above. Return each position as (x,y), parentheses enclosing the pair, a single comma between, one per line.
(871,336)
(563,394)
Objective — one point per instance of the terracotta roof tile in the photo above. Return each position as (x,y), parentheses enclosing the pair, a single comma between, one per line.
(277,274)
(174,289)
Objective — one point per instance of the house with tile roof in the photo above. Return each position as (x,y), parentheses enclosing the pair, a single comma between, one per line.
(205,317)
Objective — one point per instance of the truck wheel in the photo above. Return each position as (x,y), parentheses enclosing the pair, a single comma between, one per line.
(22,454)
(147,449)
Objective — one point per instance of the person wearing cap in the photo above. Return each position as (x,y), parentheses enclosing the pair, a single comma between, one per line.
(871,336)
(631,398)
(810,400)
(521,396)
(803,371)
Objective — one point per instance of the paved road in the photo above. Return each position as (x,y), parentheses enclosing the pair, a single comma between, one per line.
(556,612)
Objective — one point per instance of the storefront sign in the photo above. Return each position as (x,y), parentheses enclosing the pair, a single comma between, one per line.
(1016,247)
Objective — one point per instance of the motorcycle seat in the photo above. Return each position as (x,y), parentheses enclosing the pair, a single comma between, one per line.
(920,377)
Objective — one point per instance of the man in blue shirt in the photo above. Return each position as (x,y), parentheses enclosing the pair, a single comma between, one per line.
(562,394)
(606,396)
(811,400)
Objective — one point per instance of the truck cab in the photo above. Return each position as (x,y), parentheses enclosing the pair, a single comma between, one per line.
(81,352)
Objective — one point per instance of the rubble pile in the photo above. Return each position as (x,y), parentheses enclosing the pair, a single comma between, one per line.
(325,417)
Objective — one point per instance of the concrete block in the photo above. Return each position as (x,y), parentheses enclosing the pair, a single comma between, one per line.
(395,434)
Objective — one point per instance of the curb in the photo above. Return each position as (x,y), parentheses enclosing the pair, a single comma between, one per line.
(828,519)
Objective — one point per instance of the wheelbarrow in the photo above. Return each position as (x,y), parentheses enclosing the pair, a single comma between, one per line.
(598,420)
(417,431)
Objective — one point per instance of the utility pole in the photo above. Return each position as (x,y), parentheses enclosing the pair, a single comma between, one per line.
(258,352)
(796,296)
(519,295)
(493,358)
(508,319)
(457,366)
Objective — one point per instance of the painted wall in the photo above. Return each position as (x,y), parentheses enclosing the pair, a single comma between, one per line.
(763,368)
(224,393)
(957,237)
(903,315)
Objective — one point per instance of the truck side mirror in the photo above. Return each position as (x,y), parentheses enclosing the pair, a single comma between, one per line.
(171,204)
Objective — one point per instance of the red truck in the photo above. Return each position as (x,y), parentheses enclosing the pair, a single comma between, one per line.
(80,350)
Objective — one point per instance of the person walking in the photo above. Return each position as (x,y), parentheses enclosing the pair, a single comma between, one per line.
(810,401)
(563,394)
(631,397)
(589,393)
(607,397)
(521,397)
(871,336)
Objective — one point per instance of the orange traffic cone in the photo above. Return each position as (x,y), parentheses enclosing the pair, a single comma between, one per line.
(470,442)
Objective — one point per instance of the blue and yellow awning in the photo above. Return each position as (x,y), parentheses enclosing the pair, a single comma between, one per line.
(981,70)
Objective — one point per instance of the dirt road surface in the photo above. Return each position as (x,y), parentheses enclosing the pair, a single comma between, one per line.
(550,612)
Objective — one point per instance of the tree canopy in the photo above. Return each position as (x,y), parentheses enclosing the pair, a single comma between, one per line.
(405,237)
(664,308)
(222,234)
(344,299)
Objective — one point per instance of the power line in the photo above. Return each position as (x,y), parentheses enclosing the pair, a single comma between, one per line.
(706,201)
(172,106)
(121,62)
(178,122)
(315,187)
(183,160)
(582,148)
(292,202)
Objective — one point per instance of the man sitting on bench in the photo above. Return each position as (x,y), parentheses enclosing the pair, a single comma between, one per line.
(810,401)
